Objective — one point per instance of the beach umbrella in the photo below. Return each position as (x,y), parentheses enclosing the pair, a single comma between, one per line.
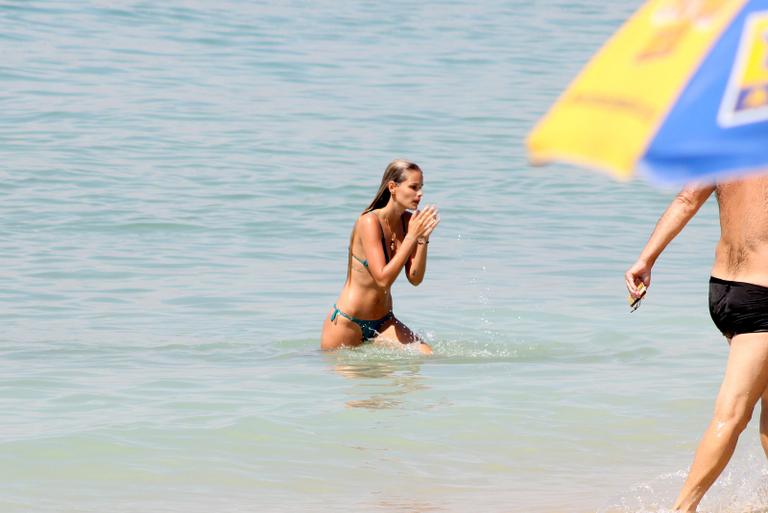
(678,94)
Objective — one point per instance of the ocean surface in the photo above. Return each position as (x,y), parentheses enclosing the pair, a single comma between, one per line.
(178,184)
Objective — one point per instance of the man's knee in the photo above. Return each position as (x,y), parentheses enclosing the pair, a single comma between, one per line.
(734,414)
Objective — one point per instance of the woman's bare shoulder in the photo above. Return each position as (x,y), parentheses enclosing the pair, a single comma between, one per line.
(367,220)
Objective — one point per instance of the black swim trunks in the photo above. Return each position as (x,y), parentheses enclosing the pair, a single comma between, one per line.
(737,307)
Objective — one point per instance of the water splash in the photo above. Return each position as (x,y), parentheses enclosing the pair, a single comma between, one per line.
(742,488)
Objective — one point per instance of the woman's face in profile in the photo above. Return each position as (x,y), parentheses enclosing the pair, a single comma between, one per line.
(409,192)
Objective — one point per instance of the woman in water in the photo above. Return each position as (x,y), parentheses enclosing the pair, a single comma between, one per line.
(385,238)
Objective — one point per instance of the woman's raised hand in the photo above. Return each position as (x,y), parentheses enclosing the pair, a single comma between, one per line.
(423,222)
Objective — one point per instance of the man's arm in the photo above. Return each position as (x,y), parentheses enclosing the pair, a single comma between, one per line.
(672,221)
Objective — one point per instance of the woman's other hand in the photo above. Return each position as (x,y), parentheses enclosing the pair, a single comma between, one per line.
(423,222)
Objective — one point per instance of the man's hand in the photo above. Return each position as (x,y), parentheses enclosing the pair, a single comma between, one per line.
(638,279)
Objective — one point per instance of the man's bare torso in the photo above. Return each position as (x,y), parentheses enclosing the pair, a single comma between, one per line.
(742,253)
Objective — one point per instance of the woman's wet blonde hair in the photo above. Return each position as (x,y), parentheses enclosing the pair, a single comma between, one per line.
(395,172)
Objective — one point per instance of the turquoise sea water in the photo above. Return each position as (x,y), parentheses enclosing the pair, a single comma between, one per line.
(179,180)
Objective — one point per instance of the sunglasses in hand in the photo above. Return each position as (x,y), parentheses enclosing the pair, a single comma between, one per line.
(634,302)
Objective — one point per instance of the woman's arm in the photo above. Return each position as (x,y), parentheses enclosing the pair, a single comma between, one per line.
(672,221)
(416,267)
(417,264)
(370,234)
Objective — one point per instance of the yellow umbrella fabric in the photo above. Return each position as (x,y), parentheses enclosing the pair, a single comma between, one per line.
(611,112)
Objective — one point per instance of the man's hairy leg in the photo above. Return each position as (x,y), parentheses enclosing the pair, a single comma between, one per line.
(746,377)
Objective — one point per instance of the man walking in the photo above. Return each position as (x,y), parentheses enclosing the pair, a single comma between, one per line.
(738,304)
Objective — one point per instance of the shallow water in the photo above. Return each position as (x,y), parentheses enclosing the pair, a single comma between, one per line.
(179,183)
